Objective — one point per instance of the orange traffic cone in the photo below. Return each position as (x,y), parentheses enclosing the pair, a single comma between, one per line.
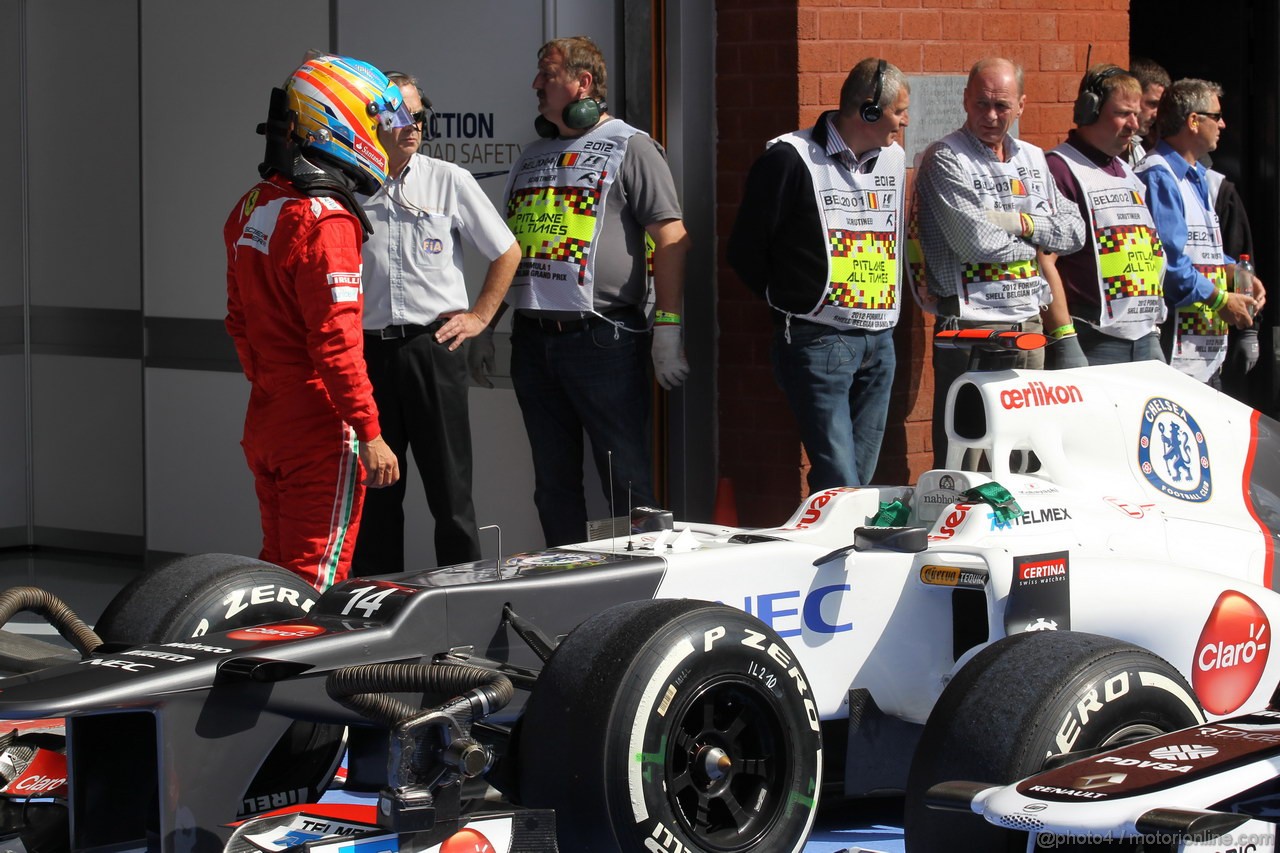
(726,509)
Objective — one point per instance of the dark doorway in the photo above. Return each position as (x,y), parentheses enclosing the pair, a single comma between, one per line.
(1235,45)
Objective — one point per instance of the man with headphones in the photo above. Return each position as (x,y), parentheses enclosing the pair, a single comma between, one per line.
(987,212)
(1199,277)
(1114,284)
(819,237)
(417,314)
(583,202)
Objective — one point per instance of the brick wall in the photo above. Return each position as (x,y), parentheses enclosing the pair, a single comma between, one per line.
(779,64)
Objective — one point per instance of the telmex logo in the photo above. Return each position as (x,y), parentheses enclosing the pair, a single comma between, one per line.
(1231,653)
(276,632)
(1040,394)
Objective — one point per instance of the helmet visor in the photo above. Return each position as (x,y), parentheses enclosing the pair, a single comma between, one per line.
(390,109)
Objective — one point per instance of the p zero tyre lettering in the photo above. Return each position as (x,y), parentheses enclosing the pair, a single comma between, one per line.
(674,726)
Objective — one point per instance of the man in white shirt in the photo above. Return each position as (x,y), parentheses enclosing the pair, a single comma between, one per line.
(416,317)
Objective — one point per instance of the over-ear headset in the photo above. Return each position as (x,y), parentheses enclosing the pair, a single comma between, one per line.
(870,109)
(1089,102)
(579,115)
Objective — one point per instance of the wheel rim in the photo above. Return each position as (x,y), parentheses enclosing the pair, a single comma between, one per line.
(727,767)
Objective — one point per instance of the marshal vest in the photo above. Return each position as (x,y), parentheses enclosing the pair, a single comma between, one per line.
(1126,249)
(1200,342)
(555,206)
(1003,292)
(862,228)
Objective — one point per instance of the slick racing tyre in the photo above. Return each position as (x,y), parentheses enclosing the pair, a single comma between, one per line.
(672,725)
(1024,699)
(202,594)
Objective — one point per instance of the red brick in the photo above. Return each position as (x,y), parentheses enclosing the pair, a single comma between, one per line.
(922,24)
(839,24)
(818,56)
(882,25)
(1038,27)
(1075,26)
(1058,57)
(806,24)
(961,26)
(1001,26)
(943,58)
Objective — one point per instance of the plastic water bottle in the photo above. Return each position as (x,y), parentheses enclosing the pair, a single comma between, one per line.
(1244,279)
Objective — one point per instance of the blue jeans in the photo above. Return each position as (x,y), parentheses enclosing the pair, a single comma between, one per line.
(837,383)
(594,379)
(1101,348)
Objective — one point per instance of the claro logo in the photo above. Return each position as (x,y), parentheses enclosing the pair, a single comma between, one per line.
(1040,394)
(1231,653)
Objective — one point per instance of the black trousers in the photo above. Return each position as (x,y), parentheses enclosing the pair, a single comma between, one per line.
(421,391)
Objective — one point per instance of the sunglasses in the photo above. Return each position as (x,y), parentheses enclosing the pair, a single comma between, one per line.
(1210,116)
(421,116)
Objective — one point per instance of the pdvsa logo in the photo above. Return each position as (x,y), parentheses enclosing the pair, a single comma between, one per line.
(1172,451)
(1231,653)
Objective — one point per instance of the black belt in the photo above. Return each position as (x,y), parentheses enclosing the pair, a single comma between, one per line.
(407,330)
(551,326)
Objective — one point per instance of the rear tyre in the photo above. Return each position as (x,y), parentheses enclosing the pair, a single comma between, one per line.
(203,594)
(672,725)
(192,596)
(1024,699)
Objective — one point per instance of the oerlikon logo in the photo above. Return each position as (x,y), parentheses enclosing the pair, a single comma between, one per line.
(1231,653)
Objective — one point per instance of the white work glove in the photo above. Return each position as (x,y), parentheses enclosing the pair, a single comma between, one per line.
(1006,220)
(669,364)
(481,358)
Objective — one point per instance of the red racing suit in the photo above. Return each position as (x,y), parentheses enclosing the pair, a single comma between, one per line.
(294,303)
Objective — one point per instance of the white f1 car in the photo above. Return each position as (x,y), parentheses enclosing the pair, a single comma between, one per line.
(1095,567)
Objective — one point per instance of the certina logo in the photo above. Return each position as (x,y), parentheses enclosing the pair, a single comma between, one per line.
(1039,394)
(1042,570)
(1231,653)
(1183,752)
(1172,451)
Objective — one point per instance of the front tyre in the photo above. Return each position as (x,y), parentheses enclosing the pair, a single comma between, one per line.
(1024,699)
(672,725)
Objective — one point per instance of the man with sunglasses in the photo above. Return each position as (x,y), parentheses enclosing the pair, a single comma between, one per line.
(1198,274)
(417,314)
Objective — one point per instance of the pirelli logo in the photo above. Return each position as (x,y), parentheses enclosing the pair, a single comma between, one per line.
(954,576)
(345,286)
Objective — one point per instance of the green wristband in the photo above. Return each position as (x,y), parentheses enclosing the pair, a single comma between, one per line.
(1063,331)
(666,318)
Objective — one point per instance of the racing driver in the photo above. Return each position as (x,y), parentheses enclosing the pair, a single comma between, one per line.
(294,302)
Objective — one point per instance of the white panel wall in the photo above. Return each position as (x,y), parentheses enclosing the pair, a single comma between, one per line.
(88,447)
(202,154)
